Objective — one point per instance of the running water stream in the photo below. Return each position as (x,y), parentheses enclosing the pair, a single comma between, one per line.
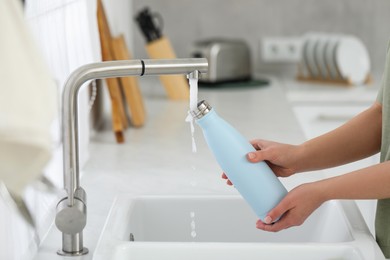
(193,105)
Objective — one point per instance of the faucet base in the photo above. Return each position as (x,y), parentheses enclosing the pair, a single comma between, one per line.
(72,245)
(84,251)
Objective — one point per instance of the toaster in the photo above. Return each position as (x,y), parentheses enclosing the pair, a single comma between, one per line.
(229,59)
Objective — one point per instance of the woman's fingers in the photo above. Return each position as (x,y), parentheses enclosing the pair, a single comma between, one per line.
(228,182)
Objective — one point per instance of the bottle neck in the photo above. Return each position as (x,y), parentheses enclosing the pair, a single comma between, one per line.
(203,109)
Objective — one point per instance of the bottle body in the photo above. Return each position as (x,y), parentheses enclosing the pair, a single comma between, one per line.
(256,182)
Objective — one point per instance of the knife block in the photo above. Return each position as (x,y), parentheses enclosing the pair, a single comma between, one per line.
(176,86)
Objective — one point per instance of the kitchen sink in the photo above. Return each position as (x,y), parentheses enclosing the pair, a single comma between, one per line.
(223,227)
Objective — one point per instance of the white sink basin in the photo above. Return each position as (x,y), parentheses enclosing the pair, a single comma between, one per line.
(223,227)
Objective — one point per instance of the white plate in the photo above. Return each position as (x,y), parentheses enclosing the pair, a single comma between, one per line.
(319,56)
(309,54)
(352,59)
(329,57)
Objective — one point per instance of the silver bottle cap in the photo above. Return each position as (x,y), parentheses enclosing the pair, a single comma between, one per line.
(202,109)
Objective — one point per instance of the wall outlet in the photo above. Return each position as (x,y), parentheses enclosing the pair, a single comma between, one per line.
(281,49)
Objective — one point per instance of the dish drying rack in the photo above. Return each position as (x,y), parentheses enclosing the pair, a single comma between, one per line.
(307,77)
(334,59)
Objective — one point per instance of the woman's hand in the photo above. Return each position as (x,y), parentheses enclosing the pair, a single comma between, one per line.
(281,158)
(300,202)
(294,209)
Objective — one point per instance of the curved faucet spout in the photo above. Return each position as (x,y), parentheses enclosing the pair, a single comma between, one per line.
(110,69)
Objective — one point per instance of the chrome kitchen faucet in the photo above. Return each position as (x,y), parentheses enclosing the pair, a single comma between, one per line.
(71,217)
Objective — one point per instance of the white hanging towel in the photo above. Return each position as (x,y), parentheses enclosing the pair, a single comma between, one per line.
(27,102)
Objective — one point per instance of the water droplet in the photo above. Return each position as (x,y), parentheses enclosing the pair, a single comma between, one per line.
(193,234)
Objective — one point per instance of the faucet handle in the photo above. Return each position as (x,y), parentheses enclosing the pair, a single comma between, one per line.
(71,219)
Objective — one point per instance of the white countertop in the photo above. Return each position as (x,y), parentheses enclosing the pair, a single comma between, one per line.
(315,93)
(157,159)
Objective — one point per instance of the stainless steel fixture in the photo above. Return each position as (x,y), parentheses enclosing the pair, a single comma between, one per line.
(71,215)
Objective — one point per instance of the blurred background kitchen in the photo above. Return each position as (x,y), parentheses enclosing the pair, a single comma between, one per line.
(186,22)
(66,33)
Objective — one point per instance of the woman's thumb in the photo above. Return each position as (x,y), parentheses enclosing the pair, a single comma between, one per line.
(257,156)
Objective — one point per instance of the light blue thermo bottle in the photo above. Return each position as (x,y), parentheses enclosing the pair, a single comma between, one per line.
(256,182)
